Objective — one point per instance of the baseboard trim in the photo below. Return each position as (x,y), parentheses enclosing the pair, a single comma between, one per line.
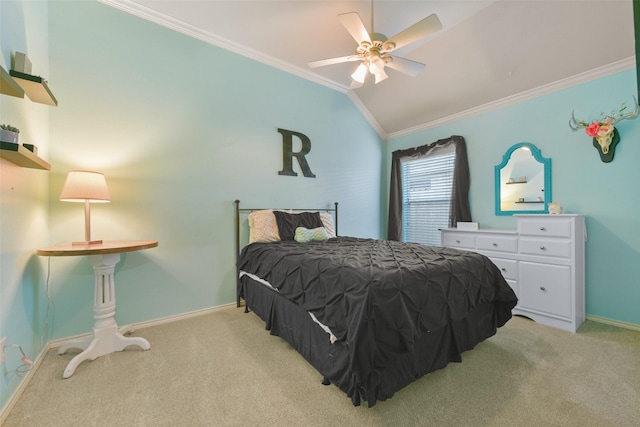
(124,329)
(174,318)
(23,385)
(146,324)
(618,323)
(141,325)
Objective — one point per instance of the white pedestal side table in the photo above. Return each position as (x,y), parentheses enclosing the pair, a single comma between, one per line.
(106,337)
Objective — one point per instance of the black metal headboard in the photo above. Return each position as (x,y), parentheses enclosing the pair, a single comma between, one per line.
(239,210)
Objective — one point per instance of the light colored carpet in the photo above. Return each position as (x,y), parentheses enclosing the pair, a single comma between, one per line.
(224,369)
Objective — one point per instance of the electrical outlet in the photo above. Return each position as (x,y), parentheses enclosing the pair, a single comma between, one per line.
(3,344)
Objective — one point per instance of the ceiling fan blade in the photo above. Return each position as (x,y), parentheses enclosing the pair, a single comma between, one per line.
(352,22)
(405,66)
(421,29)
(332,61)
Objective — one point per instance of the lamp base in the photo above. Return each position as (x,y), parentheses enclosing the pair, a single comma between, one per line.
(90,242)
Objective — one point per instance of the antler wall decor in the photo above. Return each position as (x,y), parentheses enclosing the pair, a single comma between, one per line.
(605,135)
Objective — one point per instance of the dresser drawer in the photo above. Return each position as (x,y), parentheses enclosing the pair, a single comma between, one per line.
(497,243)
(546,247)
(508,267)
(550,227)
(545,288)
(459,240)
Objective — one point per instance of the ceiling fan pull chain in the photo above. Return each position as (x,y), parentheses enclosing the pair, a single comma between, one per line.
(372,31)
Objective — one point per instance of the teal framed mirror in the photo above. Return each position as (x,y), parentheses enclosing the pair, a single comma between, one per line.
(523,181)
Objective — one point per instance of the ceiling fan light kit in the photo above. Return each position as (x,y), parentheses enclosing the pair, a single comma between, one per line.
(374,65)
(360,74)
(373,48)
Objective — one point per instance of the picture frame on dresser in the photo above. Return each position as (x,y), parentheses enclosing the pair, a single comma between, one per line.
(543,260)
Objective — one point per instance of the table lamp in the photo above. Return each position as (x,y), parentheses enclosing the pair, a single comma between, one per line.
(88,187)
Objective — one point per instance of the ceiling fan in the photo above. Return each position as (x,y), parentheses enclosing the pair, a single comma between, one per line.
(373,48)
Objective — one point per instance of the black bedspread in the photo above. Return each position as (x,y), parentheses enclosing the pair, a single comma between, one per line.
(377,296)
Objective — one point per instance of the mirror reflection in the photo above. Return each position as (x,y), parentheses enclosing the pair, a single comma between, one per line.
(523,181)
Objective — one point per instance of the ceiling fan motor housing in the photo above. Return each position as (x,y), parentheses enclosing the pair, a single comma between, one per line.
(378,45)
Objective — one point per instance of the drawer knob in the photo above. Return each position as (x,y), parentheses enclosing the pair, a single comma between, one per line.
(457,241)
(495,244)
(543,229)
(542,248)
(503,269)
(542,288)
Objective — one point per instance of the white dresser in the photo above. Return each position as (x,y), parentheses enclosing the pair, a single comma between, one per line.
(542,260)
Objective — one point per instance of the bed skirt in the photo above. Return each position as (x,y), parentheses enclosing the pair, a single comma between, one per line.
(431,351)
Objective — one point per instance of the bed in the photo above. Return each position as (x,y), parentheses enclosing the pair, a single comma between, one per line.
(371,316)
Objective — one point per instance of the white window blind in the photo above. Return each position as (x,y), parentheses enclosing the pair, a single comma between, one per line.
(427,185)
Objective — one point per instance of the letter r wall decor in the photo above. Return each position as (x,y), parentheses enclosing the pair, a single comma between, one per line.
(288,154)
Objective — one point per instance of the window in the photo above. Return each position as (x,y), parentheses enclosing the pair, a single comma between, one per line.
(426,196)
(445,157)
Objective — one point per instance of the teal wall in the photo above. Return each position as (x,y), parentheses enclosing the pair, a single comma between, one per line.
(24,195)
(182,128)
(606,193)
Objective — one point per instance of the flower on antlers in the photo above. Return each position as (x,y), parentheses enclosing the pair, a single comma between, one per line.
(603,128)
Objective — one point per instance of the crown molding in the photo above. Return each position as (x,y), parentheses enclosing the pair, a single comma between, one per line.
(151,15)
(587,76)
(174,24)
(367,115)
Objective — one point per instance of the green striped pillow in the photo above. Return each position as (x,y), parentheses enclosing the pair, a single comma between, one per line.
(304,235)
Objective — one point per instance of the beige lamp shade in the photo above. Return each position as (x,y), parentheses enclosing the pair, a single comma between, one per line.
(87,187)
(81,186)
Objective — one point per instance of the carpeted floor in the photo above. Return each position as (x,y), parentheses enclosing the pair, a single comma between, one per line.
(224,369)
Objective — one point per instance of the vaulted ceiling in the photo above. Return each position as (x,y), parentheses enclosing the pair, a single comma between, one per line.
(489,53)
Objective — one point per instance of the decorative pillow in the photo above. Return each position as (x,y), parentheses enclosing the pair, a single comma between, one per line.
(304,235)
(327,221)
(263,227)
(288,222)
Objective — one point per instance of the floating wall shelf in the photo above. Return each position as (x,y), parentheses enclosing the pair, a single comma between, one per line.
(19,155)
(8,85)
(35,87)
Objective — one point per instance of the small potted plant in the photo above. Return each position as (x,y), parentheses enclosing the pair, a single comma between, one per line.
(9,133)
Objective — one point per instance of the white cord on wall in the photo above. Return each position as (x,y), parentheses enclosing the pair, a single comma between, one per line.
(26,362)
